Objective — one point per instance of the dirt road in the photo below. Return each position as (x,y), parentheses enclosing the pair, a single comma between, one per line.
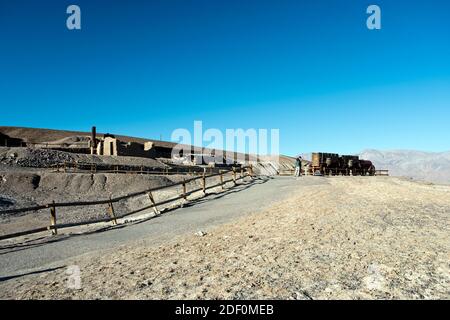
(330,238)
(210,211)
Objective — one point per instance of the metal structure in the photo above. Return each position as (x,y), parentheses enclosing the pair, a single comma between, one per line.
(334,164)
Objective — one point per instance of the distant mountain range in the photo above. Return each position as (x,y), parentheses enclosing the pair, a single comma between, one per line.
(419,165)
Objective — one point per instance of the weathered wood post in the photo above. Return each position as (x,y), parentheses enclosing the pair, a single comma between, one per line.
(221,179)
(234,175)
(184,190)
(152,200)
(53,219)
(204,182)
(111,212)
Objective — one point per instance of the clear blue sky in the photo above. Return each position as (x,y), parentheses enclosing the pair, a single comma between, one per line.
(310,68)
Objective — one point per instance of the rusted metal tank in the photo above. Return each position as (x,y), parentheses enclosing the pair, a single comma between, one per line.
(315,159)
(349,161)
(333,164)
(320,159)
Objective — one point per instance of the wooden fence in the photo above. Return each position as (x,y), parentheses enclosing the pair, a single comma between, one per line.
(382,172)
(81,167)
(236,174)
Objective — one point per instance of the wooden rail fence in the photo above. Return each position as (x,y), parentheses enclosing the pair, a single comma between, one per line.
(382,172)
(80,167)
(111,215)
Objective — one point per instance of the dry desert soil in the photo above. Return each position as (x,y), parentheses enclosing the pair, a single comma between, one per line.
(350,238)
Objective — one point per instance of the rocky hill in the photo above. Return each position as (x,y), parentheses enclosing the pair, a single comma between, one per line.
(418,165)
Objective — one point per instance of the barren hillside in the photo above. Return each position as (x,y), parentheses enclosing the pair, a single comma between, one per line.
(426,166)
(38,135)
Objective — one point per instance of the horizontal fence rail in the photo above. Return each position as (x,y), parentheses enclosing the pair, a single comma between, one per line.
(80,167)
(382,172)
(243,172)
(311,171)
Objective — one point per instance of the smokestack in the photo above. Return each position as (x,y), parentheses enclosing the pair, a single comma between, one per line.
(93,140)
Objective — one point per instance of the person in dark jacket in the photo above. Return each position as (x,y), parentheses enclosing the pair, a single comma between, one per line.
(298,167)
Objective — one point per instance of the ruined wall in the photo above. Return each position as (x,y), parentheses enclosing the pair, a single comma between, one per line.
(114,147)
(7,141)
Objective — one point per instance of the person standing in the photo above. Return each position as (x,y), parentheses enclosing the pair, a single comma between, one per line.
(298,166)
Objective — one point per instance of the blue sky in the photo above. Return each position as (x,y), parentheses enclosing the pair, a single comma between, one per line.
(309,68)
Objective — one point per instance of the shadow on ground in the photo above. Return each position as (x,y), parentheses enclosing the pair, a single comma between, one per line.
(209,196)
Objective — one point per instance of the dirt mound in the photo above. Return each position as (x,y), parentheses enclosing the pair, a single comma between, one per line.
(28,189)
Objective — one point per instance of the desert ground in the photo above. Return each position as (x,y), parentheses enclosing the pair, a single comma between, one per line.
(346,238)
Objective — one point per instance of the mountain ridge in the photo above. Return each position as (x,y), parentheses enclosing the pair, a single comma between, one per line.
(418,165)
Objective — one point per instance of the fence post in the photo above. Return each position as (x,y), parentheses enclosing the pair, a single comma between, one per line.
(234,175)
(184,189)
(221,179)
(152,200)
(53,219)
(111,212)
(204,183)
(251,170)
(242,173)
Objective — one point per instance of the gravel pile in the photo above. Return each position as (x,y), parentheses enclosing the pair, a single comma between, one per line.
(41,158)
(45,158)
(35,158)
